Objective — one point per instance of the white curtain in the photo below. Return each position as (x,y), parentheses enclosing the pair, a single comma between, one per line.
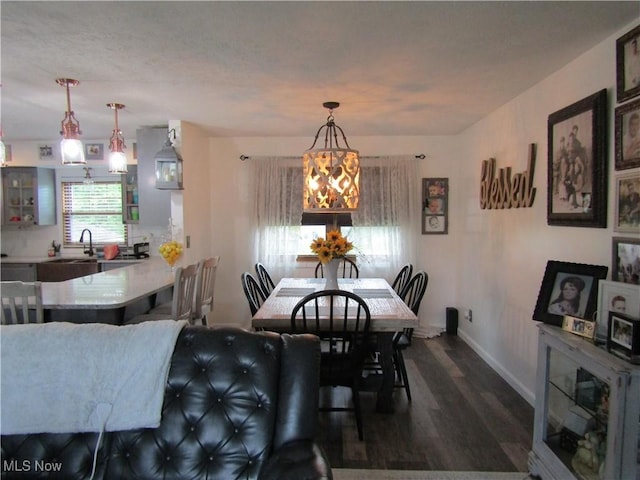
(387,222)
(277,213)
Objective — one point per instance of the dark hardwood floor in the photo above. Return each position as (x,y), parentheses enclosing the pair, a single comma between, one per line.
(463,417)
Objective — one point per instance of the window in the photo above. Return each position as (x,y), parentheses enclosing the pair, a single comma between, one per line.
(96,206)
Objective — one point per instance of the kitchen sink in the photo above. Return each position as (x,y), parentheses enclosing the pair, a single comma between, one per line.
(63,269)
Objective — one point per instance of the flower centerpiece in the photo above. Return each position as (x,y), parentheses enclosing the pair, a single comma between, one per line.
(329,252)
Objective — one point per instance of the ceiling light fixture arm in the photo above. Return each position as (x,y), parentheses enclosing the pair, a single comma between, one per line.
(70,124)
(116,143)
(331,133)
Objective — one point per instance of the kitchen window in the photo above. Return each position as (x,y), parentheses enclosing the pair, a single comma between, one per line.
(96,206)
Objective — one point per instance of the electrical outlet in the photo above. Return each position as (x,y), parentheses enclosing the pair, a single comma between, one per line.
(468,315)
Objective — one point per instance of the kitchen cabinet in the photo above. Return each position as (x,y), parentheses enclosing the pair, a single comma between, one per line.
(154,205)
(29,196)
(22,272)
(130,197)
(587,410)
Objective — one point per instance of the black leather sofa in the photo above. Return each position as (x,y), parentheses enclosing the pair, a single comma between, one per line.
(237,405)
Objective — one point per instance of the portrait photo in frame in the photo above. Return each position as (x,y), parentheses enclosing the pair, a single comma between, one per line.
(577,164)
(627,203)
(625,260)
(615,297)
(94,151)
(568,289)
(435,205)
(628,65)
(623,336)
(627,131)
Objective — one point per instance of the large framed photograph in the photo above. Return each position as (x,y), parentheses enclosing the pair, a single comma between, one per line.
(627,123)
(628,65)
(627,203)
(615,297)
(435,205)
(568,289)
(625,260)
(577,164)
(623,336)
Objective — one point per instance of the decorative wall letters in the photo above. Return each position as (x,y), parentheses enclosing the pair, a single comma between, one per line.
(499,190)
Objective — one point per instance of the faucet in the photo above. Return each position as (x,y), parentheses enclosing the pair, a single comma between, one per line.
(90,251)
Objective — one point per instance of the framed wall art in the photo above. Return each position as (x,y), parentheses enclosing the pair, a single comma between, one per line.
(577,164)
(625,260)
(94,151)
(627,128)
(8,157)
(615,297)
(568,289)
(627,203)
(46,152)
(628,65)
(435,205)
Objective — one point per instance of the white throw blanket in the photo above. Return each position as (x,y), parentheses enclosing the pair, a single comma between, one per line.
(62,377)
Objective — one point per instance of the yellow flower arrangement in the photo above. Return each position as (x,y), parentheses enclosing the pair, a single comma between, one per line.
(335,246)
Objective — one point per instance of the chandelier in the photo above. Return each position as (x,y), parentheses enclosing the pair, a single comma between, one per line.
(70,146)
(331,174)
(117,158)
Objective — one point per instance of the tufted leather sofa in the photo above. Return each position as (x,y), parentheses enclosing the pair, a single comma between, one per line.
(237,405)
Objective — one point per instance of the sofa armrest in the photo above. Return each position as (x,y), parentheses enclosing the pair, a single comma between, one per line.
(300,460)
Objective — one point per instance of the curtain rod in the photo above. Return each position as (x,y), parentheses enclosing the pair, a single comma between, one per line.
(420,156)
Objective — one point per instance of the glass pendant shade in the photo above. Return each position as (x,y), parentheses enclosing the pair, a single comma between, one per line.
(117,158)
(331,174)
(71,148)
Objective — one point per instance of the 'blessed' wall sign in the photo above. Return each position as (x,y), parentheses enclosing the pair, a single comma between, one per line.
(500,190)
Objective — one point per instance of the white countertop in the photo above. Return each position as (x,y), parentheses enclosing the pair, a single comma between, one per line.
(45,258)
(111,289)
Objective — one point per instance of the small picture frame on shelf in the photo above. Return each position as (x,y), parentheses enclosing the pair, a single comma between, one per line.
(435,206)
(623,336)
(628,65)
(615,297)
(94,151)
(579,326)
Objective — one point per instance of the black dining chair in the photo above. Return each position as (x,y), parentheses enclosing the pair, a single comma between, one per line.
(402,279)
(412,296)
(347,269)
(341,320)
(253,291)
(265,280)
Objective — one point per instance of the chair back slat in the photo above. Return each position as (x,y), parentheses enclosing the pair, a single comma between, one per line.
(253,292)
(264,279)
(402,279)
(205,285)
(412,296)
(184,288)
(346,269)
(22,301)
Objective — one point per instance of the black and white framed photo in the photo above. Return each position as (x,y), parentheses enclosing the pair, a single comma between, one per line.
(46,152)
(627,203)
(627,129)
(623,336)
(625,260)
(577,164)
(615,297)
(568,289)
(94,151)
(435,205)
(628,65)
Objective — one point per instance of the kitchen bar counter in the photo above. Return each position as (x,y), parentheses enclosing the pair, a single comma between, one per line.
(44,259)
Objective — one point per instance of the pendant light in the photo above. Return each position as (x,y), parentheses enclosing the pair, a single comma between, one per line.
(117,158)
(331,173)
(70,147)
(3,151)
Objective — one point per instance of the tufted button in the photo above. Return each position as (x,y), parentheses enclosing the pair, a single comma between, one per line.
(203,369)
(259,404)
(245,371)
(235,430)
(250,462)
(211,458)
(177,394)
(127,455)
(219,400)
(193,429)
(168,458)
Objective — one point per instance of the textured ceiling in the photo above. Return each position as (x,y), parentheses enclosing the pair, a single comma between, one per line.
(265,68)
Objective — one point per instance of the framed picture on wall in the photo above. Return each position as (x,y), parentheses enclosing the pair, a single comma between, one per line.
(627,203)
(628,65)
(577,164)
(627,128)
(625,260)
(435,205)
(568,289)
(94,151)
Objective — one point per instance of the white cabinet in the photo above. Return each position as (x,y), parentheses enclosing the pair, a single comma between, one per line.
(587,410)
(29,196)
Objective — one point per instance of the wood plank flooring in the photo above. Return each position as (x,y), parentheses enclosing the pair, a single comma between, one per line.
(463,417)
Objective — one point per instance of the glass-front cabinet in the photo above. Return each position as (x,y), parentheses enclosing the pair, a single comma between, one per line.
(29,196)
(587,411)
(131,211)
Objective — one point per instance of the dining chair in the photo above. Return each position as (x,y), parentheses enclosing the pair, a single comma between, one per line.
(402,278)
(412,296)
(205,284)
(15,302)
(182,302)
(253,291)
(347,269)
(341,320)
(264,279)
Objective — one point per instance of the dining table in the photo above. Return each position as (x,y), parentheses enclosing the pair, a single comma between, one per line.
(389,314)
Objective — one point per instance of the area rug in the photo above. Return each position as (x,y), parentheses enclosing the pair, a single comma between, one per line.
(358,474)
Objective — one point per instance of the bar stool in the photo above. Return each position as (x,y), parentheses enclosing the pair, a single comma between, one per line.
(205,283)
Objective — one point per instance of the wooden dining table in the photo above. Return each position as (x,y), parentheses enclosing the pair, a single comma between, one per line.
(389,314)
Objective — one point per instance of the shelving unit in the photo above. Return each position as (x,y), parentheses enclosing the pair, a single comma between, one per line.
(28,196)
(584,393)
(130,195)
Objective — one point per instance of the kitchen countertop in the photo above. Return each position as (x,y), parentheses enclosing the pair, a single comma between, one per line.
(43,259)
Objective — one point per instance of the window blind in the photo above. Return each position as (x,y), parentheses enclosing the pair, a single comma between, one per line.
(96,206)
